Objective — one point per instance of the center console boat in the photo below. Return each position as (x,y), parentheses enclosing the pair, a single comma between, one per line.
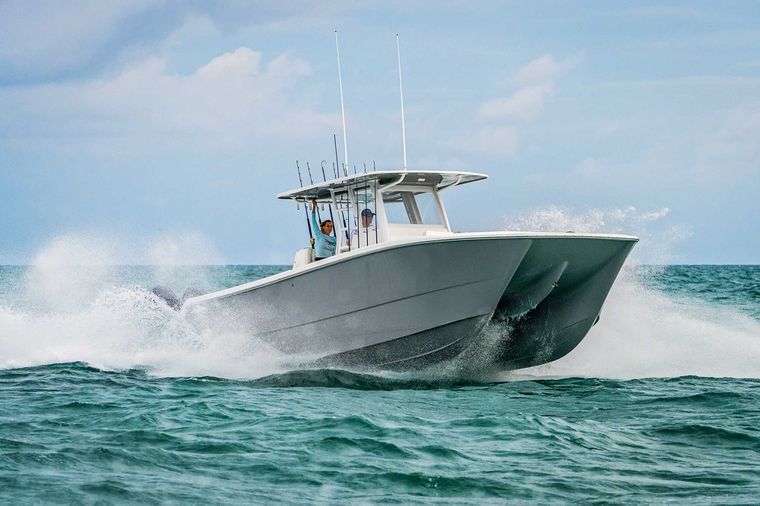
(405,291)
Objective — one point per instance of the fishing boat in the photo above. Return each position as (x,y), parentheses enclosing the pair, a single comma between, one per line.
(405,291)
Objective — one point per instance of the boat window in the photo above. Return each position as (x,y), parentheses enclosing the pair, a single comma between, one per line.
(428,207)
(404,207)
(395,210)
(364,197)
(365,226)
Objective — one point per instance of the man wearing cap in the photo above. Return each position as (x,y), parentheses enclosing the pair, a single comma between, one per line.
(366,232)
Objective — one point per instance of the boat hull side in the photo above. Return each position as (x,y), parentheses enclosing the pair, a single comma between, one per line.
(557,323)
(373,299)
(413,305)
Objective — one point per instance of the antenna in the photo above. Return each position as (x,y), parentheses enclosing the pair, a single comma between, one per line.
(342,108)
(401,91)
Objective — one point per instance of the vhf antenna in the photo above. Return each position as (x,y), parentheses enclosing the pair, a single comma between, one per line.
(342,108)
(401,91)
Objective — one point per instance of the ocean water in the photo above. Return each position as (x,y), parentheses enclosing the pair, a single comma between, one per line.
(106,395)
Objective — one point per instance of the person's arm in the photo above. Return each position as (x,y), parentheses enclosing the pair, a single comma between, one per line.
(314,225)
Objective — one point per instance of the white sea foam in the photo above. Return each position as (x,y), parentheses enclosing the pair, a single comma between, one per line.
(659,240)
(644,332)
(70,309)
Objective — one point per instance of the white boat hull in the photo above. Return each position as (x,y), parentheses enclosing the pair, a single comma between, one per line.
(408,304)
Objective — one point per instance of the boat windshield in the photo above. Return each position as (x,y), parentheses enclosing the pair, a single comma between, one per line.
(410,208)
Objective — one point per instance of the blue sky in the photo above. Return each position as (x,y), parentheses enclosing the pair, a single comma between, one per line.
(170,126)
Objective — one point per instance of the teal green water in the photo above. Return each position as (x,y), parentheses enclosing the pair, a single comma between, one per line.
(104,396)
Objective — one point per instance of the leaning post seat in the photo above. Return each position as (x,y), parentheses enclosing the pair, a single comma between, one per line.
(303,257)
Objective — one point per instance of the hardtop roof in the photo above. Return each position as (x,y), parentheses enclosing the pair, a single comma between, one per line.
(431,178)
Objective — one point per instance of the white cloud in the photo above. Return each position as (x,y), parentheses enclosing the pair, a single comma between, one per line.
(228,101)
(536,81)
(544,71)
(497,140)
(243,62)
(46,40)
(525,104)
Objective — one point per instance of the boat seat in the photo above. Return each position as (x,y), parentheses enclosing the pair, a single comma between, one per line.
(303,258)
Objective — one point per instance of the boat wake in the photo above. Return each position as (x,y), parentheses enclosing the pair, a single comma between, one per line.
(644,332)
(72,313)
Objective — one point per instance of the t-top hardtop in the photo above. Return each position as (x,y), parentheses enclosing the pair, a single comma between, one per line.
(437,180)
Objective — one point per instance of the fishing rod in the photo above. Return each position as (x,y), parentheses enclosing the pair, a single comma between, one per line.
(329,206)
(311,181)
(337,162)
(366,206)
(348,209)
(376,195)
(305,210)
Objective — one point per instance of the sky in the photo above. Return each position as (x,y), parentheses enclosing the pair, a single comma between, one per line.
(164,129)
